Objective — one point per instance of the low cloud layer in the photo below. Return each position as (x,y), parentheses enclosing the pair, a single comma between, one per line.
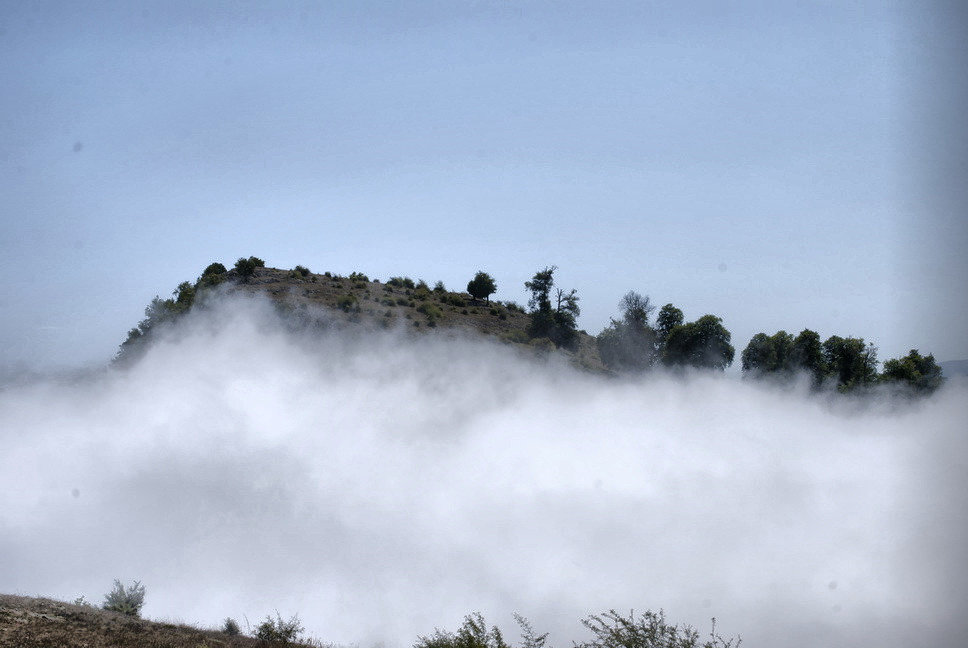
(384,485)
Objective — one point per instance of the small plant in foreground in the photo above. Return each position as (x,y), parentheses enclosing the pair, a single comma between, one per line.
(278,630)
(125,600)
(649,630)
(473,633)
(230,627)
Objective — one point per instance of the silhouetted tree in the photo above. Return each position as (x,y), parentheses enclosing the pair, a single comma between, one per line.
(807,355)
(783,355)
(557,322)
(704,343)
(668,318)
(629,344)
(482,286)
(850,362)
(759,356)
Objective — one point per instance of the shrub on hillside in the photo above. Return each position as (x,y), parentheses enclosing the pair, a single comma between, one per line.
(359,276)
(421,292)
(454,299)
(214,269)
(346,303)
(125,600)
(431,311)
(246,267)
(302,271)
(439,287)
(473,633)
(648,630)
(213,275)
(401,282)
(231,627)
(279,631)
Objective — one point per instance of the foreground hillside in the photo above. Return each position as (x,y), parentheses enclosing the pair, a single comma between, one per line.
(44,623)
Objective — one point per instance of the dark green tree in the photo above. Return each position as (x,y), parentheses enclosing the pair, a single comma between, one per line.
(213,275)
(850,362)
(807,355)
(704,343)
(769,354)
(668,318)
(922,373)
(246,267)
(759,356)
(184,297)
(482,286)
(783,355)
(558,322)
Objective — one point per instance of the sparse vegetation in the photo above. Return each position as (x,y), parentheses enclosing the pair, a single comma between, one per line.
(610,630)
(41,623)
(647,630)
(431,311)
(279,630)
(346,303)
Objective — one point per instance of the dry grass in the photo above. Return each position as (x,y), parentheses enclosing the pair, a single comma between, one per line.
(44,623)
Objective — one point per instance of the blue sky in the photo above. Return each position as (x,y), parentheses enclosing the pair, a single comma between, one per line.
(781,165)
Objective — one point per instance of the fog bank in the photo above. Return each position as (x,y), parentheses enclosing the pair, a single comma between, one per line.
(384,485)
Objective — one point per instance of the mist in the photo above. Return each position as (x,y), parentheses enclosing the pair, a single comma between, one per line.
(382,485)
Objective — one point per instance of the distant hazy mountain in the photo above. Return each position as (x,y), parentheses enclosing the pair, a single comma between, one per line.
(954,367)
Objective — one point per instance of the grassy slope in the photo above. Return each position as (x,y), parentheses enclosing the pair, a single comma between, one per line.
(43,623)
(379,304)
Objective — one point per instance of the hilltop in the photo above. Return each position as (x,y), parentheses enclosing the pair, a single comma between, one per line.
(632,344)
(40,623)
(329,300)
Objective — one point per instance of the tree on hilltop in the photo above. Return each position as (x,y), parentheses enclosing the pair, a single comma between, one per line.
(246,267)
(629,344)
(558,322)
(920,372)
(482,286)
(704,343)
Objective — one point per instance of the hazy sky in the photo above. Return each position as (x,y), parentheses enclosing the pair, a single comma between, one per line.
(782,165)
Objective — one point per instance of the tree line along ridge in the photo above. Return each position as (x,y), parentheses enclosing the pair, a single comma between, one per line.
(642,338)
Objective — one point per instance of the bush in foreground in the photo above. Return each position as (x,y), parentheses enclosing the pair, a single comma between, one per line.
(610,630)
(231,627)
(279,631)
(648,630)
(125,600)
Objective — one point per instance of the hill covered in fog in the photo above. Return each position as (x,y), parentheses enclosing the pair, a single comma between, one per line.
(331,301)
(643,337)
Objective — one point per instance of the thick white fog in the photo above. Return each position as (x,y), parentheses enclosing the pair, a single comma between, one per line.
(384,485)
